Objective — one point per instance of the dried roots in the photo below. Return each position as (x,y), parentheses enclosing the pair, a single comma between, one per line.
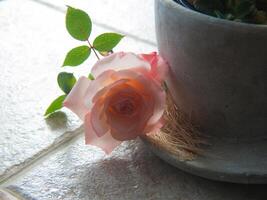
(178,136)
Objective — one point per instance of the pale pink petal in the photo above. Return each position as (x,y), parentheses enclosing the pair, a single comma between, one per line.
(128,73)
(159,106)
(152,129)
(163,69)
(106,142)
(97,85)
(159,68)
(98,119)
(75,99)
(152,58)
(119,61)
(158,96)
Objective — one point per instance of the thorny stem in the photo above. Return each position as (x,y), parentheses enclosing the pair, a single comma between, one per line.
(93,49)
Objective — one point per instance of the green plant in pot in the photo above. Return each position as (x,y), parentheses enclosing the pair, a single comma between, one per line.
(218,69)
(249,11)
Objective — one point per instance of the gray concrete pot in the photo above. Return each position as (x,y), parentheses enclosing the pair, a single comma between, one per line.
(219,71)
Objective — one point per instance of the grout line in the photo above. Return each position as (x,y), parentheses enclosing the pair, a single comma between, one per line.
(7,194)
(102,25)
(17,169)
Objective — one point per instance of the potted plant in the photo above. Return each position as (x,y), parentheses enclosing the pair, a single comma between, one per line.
(218,60)
(248,11)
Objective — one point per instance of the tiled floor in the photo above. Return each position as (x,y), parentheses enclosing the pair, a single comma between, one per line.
(47,159)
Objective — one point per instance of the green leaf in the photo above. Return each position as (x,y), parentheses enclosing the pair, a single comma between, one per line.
(77,56)
(107,41)
(219,14)
(66,81)
(208,6)
(91,77)
(244,8)
(78,24)
(57,104)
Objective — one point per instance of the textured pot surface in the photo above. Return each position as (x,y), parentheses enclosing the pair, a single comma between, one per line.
(219,79)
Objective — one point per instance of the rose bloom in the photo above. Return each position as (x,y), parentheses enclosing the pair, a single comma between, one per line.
(125,100)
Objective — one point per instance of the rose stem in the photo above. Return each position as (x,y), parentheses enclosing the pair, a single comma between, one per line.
(93,49)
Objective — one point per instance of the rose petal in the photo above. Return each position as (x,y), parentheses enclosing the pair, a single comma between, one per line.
(106,81)
(128,131)
(119,61)
(152,129)
(163,68)
(159,68)
(75,99)
(128,127)
(159,106)
(97,85)
(106,142)
(90,99)
(98,119)
(157,97)
(125,127)
(152,58)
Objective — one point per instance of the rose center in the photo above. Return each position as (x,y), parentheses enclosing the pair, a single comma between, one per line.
(125,107)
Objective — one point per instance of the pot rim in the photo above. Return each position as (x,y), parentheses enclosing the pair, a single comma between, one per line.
(211,19)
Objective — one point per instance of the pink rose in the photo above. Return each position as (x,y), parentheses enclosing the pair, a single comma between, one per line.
(124,101)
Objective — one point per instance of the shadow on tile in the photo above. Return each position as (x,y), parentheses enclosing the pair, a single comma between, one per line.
(144,176)
(57,120)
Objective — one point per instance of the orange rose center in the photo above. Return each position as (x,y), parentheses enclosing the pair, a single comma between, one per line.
(125,107)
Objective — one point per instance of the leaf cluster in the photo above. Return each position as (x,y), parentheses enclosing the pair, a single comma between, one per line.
(249,11)
(79,26)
